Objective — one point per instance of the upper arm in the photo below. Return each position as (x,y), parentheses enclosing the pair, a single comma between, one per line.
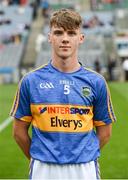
(20,127)
(104,131)
(21,107)
(103,109)
(104,134)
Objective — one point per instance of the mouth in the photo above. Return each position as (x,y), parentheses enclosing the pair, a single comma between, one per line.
(64,47)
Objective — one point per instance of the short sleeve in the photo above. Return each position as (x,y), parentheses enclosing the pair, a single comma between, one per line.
(21,106)
(103,110)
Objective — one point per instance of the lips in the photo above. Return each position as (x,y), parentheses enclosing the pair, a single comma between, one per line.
(64,47)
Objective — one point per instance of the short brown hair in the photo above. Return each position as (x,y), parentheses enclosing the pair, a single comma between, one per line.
(66,18)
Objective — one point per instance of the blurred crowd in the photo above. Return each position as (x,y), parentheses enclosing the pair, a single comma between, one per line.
(101,20)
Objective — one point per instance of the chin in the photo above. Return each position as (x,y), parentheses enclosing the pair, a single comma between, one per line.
(64,56)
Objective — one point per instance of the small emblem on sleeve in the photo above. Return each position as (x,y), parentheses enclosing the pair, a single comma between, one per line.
(86,91)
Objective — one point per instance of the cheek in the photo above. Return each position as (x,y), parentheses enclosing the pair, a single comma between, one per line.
(55,40)
(75,42)
(55,43)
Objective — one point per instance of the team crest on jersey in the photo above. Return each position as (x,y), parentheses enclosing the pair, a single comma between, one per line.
(86,91)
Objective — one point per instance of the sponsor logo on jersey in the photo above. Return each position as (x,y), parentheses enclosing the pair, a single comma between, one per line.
(86,91)
(57,122)
(62,117)
(64,110)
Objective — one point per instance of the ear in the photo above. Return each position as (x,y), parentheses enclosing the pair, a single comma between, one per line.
(49,37)
(82,38)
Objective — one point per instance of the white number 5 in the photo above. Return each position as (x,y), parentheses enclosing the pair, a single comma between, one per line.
(66,89)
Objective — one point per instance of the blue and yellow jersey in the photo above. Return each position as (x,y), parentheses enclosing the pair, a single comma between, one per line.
(63,109)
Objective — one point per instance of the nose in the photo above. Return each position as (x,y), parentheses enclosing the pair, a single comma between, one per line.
(65,38)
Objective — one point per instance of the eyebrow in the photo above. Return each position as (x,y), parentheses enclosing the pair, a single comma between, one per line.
(57,31)
(61,31)
(71,31)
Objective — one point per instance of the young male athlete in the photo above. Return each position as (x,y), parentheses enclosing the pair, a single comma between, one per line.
(68,106)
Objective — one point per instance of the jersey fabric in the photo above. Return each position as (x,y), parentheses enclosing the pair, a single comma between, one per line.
(63,108)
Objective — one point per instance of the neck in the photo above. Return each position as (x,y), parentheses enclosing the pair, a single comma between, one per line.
(66,65)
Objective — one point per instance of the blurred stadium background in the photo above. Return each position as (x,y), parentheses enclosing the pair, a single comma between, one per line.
(24,46)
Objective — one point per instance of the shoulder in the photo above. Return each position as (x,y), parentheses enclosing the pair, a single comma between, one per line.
(93,76)
(33,75)
(35,72)
(98,83)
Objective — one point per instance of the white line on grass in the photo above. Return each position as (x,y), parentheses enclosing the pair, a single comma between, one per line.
(5,123)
